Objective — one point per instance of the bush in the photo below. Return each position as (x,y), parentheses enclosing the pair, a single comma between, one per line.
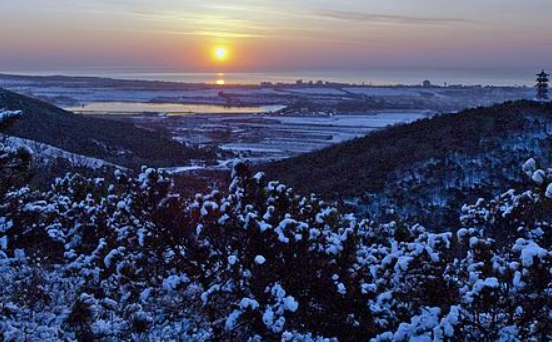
(133,260)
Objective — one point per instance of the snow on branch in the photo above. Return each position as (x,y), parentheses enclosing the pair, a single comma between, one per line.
(9,114)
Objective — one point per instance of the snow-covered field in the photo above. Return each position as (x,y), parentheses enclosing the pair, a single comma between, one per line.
(376,120)
(267,137)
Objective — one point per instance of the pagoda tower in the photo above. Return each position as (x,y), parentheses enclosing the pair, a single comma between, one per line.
(542,86)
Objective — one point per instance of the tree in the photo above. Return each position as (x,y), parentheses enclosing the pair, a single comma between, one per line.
(542,86)
(14,162)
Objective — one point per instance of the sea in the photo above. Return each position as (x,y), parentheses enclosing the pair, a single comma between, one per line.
(397,76)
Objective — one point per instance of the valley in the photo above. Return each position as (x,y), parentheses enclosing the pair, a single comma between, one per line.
(263,123)
(264,137)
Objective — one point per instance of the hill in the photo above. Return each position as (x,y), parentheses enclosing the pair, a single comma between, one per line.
(115,142)
(128,259)
(427,168)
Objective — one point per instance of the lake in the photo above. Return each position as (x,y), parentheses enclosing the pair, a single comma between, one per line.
(166,108)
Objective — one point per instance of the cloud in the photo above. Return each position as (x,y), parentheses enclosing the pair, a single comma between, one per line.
(214,34)
(389,19)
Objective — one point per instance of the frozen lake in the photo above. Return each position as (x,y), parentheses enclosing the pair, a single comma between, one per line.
(167,108)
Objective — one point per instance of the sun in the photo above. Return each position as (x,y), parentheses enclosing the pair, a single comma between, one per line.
(220,53)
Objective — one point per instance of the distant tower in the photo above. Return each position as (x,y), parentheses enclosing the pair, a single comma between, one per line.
(542,86)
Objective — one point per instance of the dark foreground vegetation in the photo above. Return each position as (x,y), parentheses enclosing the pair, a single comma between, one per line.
(130,260)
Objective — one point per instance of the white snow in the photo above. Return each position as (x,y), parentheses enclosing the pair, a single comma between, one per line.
(259,260)
(529,251)
(290,304)
(538,177)
(548,192)
(248,303)
(530,166)
(6,114)
(44,152)
(232,259)
(172,282)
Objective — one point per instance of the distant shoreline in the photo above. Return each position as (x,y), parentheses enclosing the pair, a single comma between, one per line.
(299,97)
(501,78)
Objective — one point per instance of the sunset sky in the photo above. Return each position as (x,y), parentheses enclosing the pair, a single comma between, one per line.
(274,34)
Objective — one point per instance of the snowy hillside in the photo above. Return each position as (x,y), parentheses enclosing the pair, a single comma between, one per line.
(428,169)
(45,153)
(115,142)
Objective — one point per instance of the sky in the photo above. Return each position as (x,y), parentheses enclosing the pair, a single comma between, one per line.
(274,34)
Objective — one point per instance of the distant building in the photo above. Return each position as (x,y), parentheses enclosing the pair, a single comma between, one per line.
(299,82)
(426,84)
(542,86)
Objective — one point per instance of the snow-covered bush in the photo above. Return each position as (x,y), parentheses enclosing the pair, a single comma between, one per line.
(132,260)
(15,163)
